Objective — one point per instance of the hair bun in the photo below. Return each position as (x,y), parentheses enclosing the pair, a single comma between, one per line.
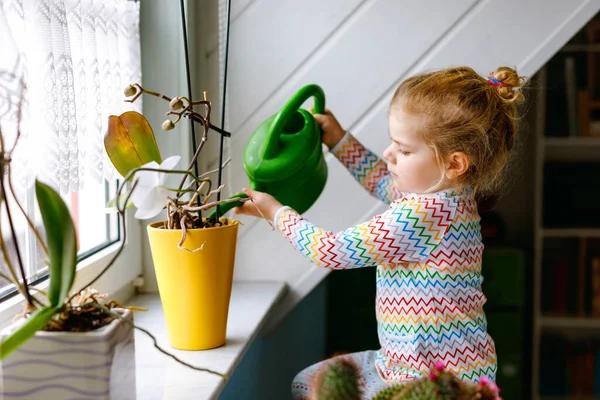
(511,83)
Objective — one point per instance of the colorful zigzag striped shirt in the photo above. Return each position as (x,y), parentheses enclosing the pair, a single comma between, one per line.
(427,250)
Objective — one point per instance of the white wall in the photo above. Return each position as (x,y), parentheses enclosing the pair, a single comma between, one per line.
(359,51)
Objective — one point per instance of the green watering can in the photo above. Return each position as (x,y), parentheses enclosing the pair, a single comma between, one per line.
(284,156)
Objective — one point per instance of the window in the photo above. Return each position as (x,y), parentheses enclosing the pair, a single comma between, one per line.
(95,230)
(67,83)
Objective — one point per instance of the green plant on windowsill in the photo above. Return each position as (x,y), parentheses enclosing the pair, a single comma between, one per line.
(60,308)
(193,255)
(132,148)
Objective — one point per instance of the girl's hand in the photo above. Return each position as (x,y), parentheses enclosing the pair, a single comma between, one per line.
(331,130)
(264,202)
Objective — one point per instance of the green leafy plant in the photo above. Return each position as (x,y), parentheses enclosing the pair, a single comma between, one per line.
(338,380)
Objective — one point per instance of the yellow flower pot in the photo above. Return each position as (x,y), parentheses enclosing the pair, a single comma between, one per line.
(194,288)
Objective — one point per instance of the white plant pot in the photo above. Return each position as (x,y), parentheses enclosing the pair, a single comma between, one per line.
(98,364)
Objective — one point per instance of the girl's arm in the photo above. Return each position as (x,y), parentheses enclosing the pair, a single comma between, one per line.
(368,169)
(407,232)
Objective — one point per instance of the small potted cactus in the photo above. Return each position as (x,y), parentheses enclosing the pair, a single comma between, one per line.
(339,380)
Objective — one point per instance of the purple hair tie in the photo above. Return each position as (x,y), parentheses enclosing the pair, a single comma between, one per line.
(495,82)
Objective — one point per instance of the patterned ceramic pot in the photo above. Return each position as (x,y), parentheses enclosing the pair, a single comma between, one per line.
(70,365)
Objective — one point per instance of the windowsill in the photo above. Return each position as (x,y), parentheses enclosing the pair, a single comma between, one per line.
(160,377)
(86,270)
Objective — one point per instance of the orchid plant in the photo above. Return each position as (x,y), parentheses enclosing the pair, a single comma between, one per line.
(61,308)
(131,146)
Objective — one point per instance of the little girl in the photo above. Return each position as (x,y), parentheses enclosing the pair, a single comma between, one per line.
(450,132)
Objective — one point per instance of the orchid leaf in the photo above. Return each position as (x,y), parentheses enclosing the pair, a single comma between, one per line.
(34,323)
(61,240)
(130,142)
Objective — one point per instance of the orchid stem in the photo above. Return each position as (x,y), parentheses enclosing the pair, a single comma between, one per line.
(123,240)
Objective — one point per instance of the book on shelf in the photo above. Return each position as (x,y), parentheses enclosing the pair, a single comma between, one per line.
(572,368)
(573,88)
(571,281)
(595,287)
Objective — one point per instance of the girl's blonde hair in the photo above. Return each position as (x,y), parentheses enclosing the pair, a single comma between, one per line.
(464,112)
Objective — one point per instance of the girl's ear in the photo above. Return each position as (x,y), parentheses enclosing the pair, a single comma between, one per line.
(458,163)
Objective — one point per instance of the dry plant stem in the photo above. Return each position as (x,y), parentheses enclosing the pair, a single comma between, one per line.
(14,236)
(6,277)
(169,213)
(184,235)
(40,292)
(211,193)
(213,204)
(141,91)
(197,192)
(9,176)
(196,154)
(216,169)
(116,315)
(11,280)
(204,121)
(15,279)
(29,222)
(9,154)
(192,115)
(262,215)
(7,261)
(123,240)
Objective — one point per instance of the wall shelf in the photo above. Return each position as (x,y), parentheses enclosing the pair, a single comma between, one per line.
(558,164)
(571,232)
(572,149)
(570,323)
(571,48)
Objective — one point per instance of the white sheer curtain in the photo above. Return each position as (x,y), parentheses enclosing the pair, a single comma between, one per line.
(75,57)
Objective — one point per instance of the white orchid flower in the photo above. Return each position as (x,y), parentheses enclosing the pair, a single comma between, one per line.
(150,194)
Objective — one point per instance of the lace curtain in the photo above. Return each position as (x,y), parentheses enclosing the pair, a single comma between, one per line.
(75,58)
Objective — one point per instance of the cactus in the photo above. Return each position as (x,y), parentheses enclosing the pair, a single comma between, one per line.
(443,385)
(337,379)
(389,392)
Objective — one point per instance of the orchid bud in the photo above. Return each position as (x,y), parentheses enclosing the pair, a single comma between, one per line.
(176,103)
(130,91)
(168,125)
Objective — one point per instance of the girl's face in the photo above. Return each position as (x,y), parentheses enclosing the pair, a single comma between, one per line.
(411,162)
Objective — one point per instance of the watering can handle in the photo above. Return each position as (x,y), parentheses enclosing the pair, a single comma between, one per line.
(272,143)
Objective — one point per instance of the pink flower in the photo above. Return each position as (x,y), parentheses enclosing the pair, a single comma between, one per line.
(484,380)
(493,387)
(439,366)
(433,375)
